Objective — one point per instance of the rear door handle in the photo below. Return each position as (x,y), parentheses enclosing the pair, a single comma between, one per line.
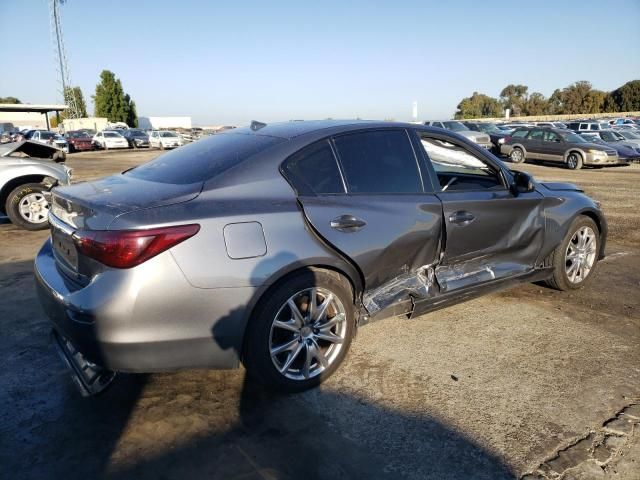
(461,218)
(347,223)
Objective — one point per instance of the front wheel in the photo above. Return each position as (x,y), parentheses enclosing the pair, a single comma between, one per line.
(575,259)
(517,155)
(574,161)
(27,207)
(302,332)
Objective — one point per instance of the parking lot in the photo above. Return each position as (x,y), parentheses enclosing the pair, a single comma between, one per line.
(527,380)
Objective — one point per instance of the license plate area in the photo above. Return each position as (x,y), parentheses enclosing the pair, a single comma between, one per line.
(65,249)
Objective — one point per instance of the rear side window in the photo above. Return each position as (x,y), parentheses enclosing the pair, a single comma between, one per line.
(379,162)
(199,161)
(314,170)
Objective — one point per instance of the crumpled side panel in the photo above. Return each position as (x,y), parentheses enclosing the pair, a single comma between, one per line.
(418,284)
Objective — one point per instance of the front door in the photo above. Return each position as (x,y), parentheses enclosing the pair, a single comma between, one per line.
(363,193)
(489,233)
(554,146)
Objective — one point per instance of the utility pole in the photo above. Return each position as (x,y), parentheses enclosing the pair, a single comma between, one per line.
(60,57)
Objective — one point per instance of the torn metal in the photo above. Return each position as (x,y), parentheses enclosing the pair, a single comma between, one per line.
(417,284)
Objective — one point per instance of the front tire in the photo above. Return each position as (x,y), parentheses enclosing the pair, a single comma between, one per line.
(575,259)
(302,331)
(574,161)
(27,207)
(517,155)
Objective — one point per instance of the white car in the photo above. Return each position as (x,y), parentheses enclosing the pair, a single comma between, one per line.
(164,139)
(109,139)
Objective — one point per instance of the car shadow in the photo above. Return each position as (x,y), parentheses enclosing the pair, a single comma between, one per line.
(144,426)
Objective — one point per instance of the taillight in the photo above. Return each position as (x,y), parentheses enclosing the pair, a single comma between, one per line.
(128,248)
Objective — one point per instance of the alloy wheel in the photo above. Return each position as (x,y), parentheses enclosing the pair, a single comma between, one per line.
(308,333)
(572,161)
(580,255)
(34,208)
(516,155)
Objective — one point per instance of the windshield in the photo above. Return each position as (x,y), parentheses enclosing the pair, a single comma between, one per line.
(610,136)
(573,137)
(455,126)
(46,135)
(168,134)
(630,135)
(202,160)
(112,135)
(76,134)
(489,128)
(137,133)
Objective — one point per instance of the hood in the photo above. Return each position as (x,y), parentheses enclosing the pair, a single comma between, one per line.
(94,205)
(561,187)
(32,149)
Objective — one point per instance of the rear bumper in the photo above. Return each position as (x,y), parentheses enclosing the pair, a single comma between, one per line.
(144,319)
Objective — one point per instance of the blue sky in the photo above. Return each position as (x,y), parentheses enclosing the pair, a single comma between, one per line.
(230,62)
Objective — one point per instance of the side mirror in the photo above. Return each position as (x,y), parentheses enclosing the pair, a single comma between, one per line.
(522,183)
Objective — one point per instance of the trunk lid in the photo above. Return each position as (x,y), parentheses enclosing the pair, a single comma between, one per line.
(94,205)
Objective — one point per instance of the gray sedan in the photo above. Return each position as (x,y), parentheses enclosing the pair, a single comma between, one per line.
(270,245)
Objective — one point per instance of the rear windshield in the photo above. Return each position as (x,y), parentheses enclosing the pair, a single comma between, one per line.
(204,159)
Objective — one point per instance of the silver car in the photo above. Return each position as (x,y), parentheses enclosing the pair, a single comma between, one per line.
(26,176)
(460,128)
(269,245)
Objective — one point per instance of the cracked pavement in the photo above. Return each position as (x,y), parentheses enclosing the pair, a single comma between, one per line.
(528,383)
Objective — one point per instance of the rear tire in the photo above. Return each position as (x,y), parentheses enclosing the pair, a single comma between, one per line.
(308,336)
(574,161)
(570,253)
(517,155)
(27,208)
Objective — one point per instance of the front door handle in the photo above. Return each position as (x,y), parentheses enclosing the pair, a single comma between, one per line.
(461,218)
(347,223)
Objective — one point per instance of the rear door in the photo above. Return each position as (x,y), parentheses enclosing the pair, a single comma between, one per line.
(489,233)
(363,193)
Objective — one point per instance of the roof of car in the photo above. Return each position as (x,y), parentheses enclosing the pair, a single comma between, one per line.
(297,128)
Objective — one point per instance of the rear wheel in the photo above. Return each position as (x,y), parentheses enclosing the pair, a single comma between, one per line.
(517,155)
(574,161)
(575,258)
(301,334)
(27,207)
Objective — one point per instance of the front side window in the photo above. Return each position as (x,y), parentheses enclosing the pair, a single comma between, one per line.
(458,169)
(536,135)
(551,137)
(314,170)
(380,161)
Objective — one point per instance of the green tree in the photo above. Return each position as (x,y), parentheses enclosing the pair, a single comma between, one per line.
(479,105)
(132,114)
(12,100)
(625,98)
(111,101)
(578,98)
(514,97)
(536,104)
(75,93)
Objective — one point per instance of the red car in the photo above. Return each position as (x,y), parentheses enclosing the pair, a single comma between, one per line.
(79,140)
